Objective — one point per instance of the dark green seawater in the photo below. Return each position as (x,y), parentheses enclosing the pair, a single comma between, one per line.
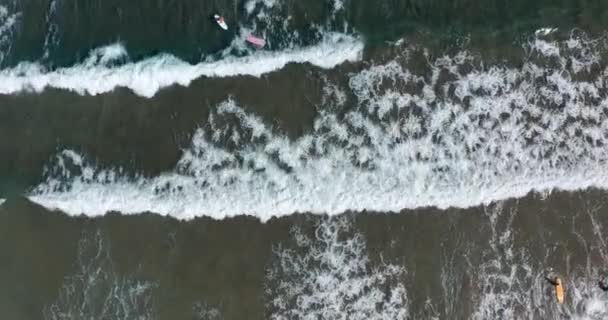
(60,33)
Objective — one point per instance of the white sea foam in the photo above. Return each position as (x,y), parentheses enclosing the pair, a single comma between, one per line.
(330,277)
(273,20)
(511,284)
(96,291)
(251,5)
(203,311)
(270,20)
(95,75)
(546,48)
(337,5)
(486,134)
(2,201)
(545,31)
(503,279)
(8,22)
(51,39)
(508,288)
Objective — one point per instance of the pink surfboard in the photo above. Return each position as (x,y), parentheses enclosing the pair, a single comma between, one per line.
(258,42)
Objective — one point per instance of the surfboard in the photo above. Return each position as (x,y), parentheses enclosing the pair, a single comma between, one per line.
(220,21)
(559,290)
(258,42)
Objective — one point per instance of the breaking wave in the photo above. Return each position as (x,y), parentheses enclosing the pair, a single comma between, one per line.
(107,68)
(457,135)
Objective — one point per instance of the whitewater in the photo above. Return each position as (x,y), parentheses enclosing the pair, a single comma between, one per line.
(99,73)
(7,25)
(110,67)
(455,137)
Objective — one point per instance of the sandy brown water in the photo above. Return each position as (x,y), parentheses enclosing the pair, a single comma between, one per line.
(225,264)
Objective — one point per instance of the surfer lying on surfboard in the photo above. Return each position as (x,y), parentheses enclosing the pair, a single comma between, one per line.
(557,283)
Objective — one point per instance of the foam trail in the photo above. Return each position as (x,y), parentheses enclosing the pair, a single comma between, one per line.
(511,286)
(51,39)
(96,75)
(202,311)
(252,4)
(507,284)
(96,291)
(329,277)
(2,201)
(8,23)
(483,135)
(590,303)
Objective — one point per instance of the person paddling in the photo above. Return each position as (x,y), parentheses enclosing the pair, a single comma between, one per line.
(603,283)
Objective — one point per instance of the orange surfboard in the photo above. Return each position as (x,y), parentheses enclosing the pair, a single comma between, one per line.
(559,291)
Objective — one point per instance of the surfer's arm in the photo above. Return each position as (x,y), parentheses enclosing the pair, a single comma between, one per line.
(551,280)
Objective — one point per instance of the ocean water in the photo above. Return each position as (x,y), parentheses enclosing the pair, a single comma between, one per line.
(375,160)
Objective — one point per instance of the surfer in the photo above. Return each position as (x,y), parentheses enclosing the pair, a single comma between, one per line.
(556,281)
(551,276)
(603,283)
(220,21)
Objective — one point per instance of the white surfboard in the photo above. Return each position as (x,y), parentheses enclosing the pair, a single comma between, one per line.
(220,21)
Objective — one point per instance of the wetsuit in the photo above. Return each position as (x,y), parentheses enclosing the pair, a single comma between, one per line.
(552,278)
(604,283)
